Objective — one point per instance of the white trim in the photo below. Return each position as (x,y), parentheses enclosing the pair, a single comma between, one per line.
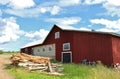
(66,44)
(66,52)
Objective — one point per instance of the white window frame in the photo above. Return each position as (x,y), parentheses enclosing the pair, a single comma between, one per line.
(67,52)
(57,35)
(64,44)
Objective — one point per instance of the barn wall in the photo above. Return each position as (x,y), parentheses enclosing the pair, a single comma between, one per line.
(116,49)
(26,50)
(83,45)
(65,37)
(51,40)
(44,50)
(93,47)
(22,50)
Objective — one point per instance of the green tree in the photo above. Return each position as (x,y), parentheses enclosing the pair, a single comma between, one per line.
(1,52)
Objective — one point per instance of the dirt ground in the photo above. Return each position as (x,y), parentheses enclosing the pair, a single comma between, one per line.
(4,59)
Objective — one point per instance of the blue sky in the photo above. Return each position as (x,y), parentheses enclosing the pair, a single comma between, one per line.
(25,21)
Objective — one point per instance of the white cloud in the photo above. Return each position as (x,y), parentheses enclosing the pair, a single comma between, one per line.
(0,12)
(112,7)
(9,30)
(23,12)
(113,26)
(108,30)
(65,20)
(21,4)
(86,29)
(55,10)
(37,34)
(107,23)
(91,2)
(29,9)
(3,2)
(114,2)
(43,10)
(66,27)
(33,12)
(65,3)
(20,8)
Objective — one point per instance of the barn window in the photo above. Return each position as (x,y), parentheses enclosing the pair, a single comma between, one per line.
(66,46)
(57,35)
(32,51)
(38,50)
(43,49)
(50,49)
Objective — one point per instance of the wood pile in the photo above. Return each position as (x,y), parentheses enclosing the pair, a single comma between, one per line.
(31,63)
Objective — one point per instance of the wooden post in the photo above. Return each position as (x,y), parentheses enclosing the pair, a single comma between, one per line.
(49,67)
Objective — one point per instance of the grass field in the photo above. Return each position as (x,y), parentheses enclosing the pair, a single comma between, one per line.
(71,71)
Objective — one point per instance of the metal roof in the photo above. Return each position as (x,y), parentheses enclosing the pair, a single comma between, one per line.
(34,43)
(90,31)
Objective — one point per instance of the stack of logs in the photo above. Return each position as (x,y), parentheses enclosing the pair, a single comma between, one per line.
(31,63)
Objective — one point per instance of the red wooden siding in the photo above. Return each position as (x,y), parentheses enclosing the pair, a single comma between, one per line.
(93,47)
(116,49)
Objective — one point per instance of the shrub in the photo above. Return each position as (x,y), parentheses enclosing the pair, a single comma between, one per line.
(1,52)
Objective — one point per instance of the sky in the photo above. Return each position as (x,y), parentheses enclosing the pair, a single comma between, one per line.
(26,21)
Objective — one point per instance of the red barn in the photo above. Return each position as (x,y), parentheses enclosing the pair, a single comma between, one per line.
(67,45)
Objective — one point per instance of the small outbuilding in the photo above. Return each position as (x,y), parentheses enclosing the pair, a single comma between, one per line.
(71,45)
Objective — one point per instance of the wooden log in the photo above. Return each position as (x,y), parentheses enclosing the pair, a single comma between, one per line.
(23,64)
(49,67)
(36,65)
(35,59)
(24,61)
(37,68)
(56,65)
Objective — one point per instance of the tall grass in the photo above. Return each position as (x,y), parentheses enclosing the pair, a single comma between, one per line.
(71,71)
(103,72)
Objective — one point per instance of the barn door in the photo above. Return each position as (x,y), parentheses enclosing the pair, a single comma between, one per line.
(66,57)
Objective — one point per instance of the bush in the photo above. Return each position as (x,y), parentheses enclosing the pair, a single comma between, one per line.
(53,61)
(1,52)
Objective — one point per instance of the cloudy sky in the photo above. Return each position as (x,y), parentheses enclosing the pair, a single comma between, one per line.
(25,21)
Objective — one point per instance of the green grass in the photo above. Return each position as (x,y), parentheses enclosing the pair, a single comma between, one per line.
(71,71)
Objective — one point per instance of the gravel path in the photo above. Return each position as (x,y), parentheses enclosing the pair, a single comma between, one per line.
(4,59)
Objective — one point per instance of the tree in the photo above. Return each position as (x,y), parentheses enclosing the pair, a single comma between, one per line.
(1,52)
